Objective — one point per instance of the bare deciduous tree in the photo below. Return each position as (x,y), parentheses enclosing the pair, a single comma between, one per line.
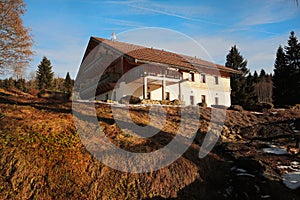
(15,39)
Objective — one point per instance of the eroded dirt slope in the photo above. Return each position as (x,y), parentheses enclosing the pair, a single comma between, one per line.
(42,156)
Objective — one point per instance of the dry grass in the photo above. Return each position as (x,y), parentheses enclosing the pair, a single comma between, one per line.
(42,156)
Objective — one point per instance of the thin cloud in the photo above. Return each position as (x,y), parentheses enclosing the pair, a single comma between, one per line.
(124,22)
(272,12)
(181,12)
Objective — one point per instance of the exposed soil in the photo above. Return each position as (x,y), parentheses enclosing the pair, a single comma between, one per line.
(42,156)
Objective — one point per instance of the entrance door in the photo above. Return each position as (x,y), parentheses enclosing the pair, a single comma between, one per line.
(192,100)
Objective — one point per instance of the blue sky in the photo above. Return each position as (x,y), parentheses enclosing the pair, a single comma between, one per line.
(61,28)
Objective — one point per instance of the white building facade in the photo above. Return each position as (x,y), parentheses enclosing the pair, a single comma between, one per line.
(159,75)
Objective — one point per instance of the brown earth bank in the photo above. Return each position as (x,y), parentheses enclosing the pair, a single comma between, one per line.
(42,156)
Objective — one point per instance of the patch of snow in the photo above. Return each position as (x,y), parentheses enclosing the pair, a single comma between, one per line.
(291,180)
(257,113)
(283,167)
(241,170)
(245,174)
(280,109)
(233,168)
(274,113)
(296,131)
(265,196)
(272,146)
(275,150)
(295,163)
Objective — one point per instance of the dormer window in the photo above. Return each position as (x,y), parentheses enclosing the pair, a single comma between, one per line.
(191,77)
(203,78)
(216,80)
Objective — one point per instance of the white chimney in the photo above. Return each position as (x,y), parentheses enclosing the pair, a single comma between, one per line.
(113,36)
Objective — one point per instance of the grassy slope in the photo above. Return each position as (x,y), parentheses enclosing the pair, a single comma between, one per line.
(42,155)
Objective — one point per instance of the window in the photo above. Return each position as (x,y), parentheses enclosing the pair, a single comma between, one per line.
(216,80)
(148,95)
(114,96)
(203,99)
(191,77)
(167,95)
(203,78)
(192,100)
(216,101)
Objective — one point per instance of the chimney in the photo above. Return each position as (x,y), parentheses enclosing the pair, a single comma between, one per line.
(113,37)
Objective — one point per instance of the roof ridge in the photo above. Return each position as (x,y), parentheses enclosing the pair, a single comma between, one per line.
(161,55)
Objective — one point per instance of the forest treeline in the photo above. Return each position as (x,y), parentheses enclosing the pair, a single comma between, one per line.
(281,88)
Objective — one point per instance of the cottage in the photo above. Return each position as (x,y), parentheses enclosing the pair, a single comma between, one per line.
(149,73)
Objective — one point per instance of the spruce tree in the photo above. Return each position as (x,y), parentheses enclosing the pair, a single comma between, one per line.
(249,89)
(44,74)
(281,78)
(68,84)
(255,77)
(262,74)
(292,51)
(240,92)
(287,73)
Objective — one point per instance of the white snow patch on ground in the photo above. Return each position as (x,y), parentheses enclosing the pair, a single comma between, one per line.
(241,170)
(265,196)
(294,128)
(245,174)
(275,150)
(257,113)
(292,180)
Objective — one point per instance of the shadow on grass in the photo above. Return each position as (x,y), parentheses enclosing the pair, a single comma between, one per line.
(51,106)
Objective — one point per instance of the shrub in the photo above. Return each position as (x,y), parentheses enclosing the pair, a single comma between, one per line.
(54,95)
(202,104)
(165,102)
(296,107)
(236,108)
(261,106)
(128,99)
(177,102)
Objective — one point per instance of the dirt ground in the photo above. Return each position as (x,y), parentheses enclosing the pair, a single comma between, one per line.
(42,156)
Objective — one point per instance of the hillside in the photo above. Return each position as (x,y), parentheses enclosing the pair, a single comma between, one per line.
(42,156)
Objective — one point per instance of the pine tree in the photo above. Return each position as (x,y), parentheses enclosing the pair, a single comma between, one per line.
(240,92)
(281,78)
(292,51)
(287,73)
(262,73)
(44,74)
(68,84)
(250,88)
(21,84)
(255,77)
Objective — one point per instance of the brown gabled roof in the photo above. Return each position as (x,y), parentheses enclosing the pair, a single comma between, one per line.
(145,54)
